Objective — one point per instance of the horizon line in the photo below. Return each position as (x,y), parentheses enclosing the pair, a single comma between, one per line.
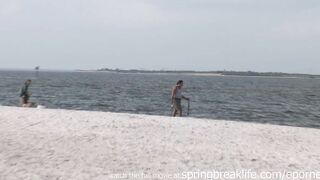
(140,69)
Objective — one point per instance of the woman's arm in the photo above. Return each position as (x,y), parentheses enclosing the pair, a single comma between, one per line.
(173,93)
(186,98)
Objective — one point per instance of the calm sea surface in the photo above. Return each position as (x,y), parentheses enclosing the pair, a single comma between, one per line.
(284,101)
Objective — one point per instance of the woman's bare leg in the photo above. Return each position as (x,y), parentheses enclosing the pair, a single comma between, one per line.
(174,113)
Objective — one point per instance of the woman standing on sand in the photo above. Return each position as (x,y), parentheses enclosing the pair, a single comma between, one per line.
(176,97)
(25,95)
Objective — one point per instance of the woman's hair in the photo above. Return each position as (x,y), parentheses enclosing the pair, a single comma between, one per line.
(179,82)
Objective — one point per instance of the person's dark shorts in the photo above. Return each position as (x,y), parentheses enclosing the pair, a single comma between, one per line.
(177,104)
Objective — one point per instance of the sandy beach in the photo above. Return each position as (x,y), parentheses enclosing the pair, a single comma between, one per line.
(49,144)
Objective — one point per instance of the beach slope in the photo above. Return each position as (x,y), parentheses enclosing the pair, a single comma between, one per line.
(65,144)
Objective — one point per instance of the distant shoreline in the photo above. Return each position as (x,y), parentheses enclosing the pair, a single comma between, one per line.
(212,73)
(187,72)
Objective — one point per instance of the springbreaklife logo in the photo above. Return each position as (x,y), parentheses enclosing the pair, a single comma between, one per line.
(249,174)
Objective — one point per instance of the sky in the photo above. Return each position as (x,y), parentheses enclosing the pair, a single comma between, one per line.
(241,35)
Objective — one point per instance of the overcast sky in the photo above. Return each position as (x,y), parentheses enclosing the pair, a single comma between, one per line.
(256,35)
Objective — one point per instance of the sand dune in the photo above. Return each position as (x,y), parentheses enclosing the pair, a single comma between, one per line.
(62,144)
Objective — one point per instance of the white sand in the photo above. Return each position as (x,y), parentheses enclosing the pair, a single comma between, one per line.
(60,144)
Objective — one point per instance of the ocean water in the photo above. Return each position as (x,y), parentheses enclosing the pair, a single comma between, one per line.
(282,101)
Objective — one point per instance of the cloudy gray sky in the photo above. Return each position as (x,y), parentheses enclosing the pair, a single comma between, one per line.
(257,35)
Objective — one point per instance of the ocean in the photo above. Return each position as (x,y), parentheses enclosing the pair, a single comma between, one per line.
(281,101)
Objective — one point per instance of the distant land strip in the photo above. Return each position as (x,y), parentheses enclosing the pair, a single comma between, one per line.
(212,73)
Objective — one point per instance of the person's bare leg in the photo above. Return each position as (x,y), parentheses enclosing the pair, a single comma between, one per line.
(27,105)
(22,103)
(174,113)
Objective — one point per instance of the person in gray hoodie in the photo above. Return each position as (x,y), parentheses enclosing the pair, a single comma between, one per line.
(25,94)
